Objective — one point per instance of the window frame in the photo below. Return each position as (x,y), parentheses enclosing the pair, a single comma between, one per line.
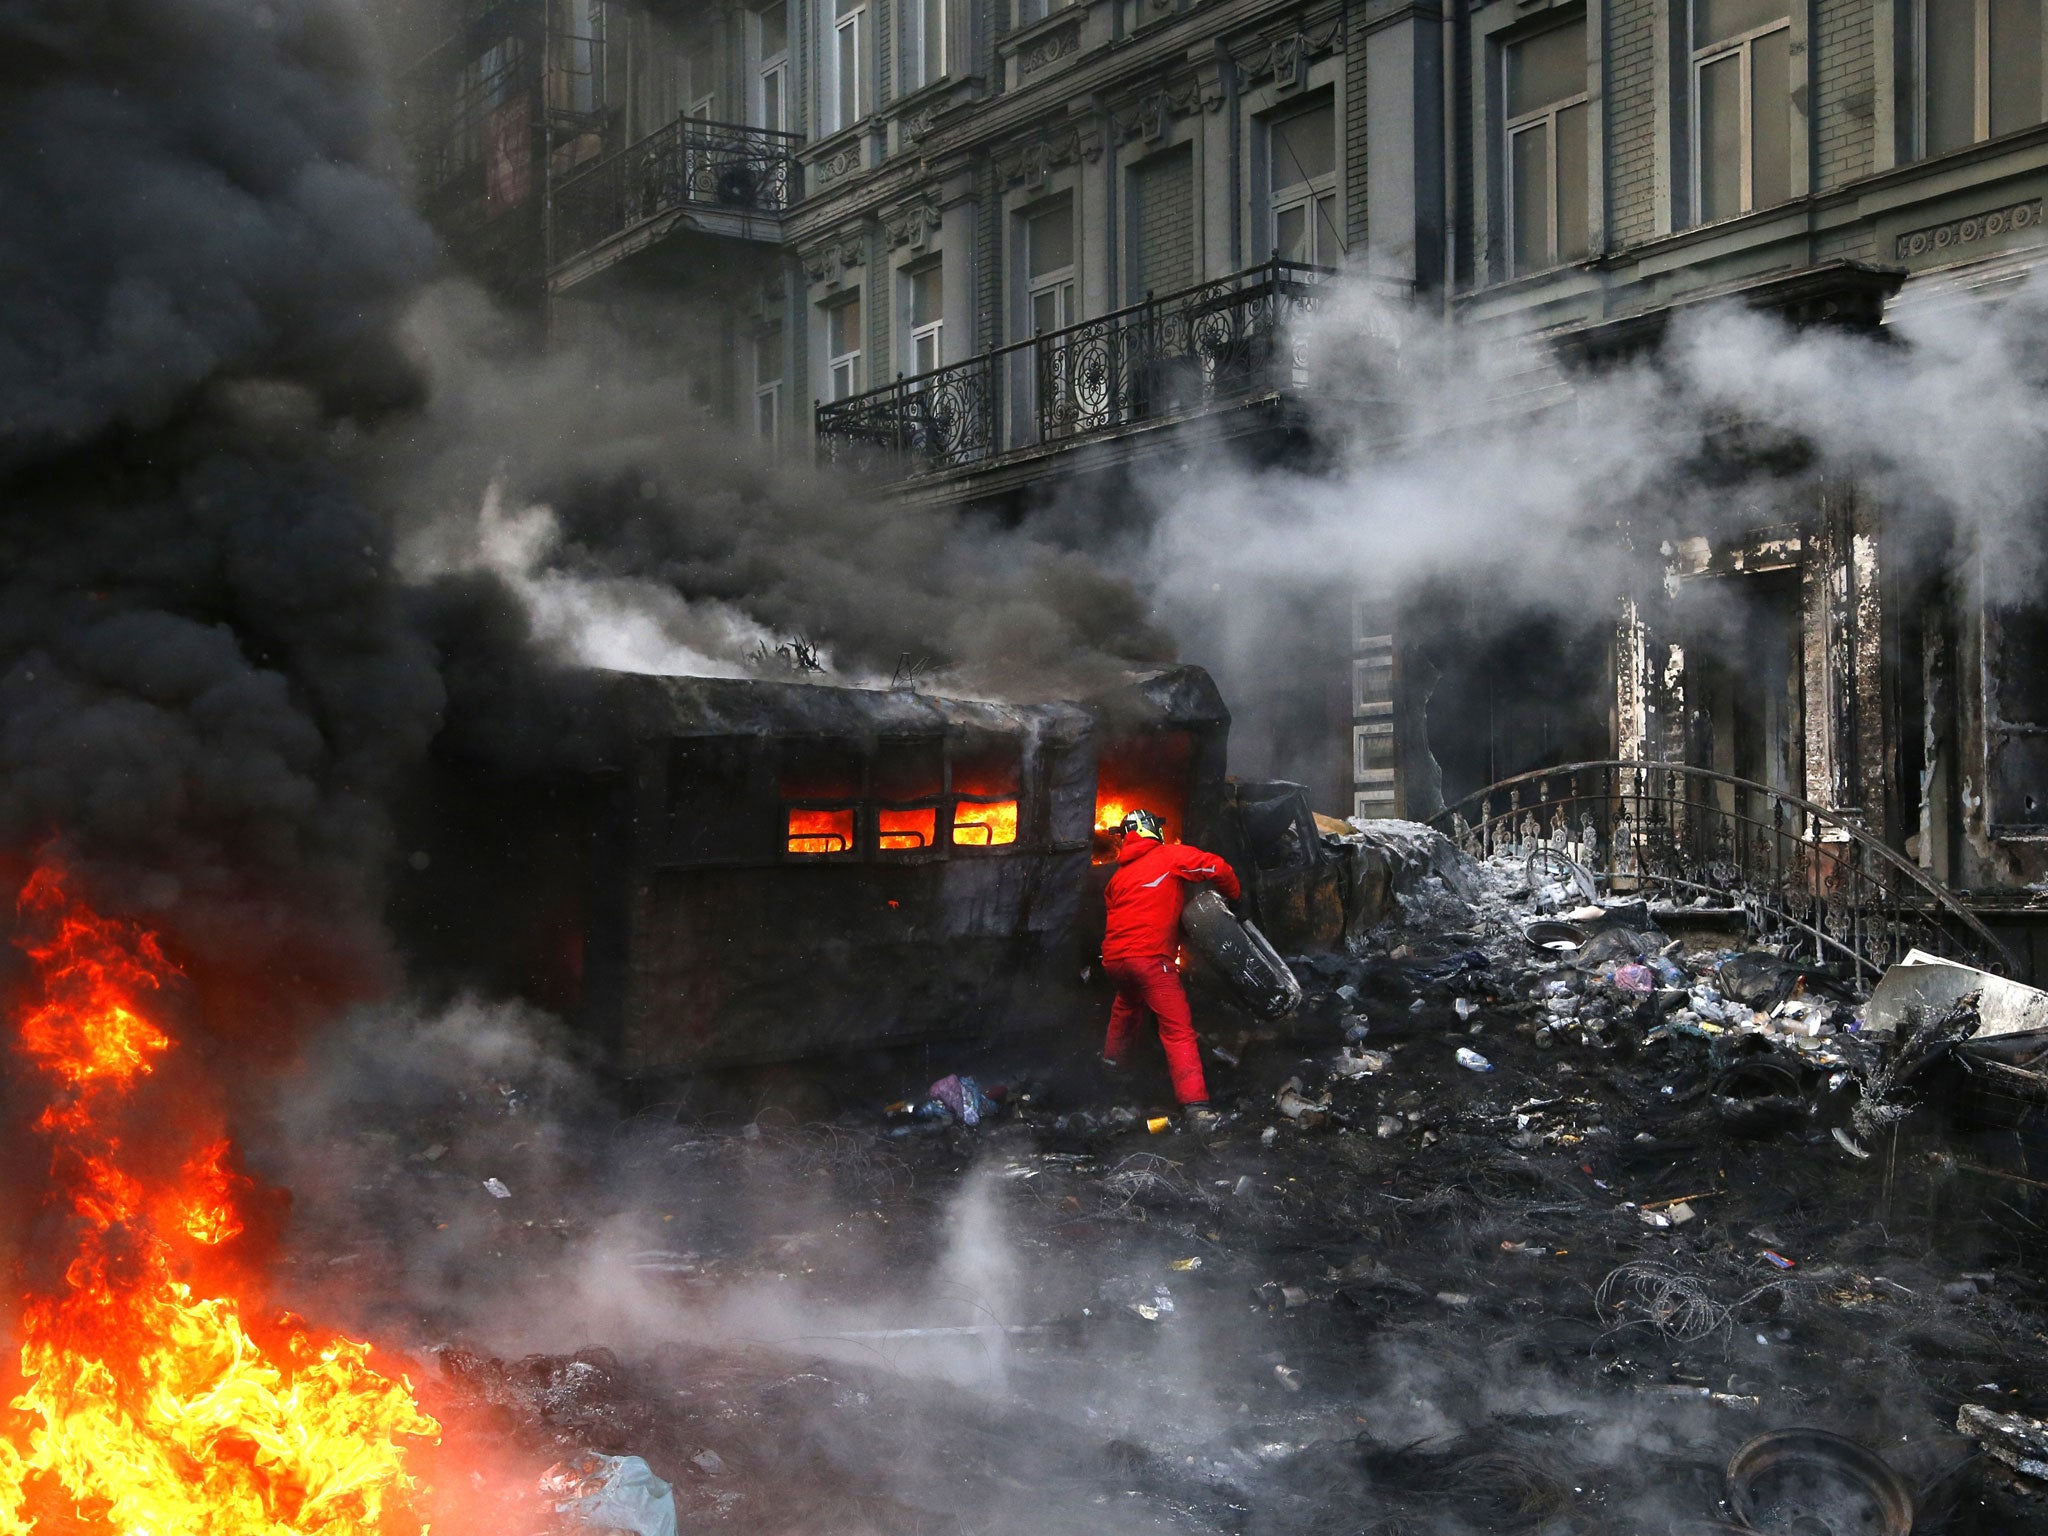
(852,24)
(919,45)
(1512,128)
(1981,80)
(769,66)
(1306,194)
(850,361)
(1697,62)
(933,331)
(768,392)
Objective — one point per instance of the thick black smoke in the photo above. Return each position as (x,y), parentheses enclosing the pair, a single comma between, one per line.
(207,680)
(635,531)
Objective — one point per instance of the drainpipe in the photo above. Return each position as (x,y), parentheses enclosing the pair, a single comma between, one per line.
(1450,150)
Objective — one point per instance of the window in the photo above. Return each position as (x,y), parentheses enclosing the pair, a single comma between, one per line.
(842,346)
(925,303)
(1049,265)
(925,45)
(768,384)
(1162,224)
(771,67)
(1029,11)
(1546,149)
(1741,106)
(1301,154)
(848,22)
(1980,67)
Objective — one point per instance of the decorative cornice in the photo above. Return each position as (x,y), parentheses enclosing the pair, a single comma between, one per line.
(1941,239)
(1284,56)
(911,226)
(1049,47)
(1147,116)
(843,161)
(1033,161)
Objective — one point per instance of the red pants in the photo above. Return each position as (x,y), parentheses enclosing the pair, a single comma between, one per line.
(1153,986)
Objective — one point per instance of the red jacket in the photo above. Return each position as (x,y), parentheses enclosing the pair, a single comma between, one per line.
(1145,894)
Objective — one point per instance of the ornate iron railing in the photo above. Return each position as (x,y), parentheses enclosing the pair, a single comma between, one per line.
(1172,354)
(1800,870)
(690,163)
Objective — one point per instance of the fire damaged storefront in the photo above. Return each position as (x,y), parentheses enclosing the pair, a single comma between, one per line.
(773,870)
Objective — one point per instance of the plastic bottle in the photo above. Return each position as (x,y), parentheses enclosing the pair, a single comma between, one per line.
(1472,1061)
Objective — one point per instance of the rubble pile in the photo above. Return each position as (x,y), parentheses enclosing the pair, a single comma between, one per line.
(1543,1214)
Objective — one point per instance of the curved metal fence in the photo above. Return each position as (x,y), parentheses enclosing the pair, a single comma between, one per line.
(1688,834)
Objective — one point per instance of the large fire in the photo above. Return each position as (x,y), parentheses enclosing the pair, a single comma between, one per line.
(147,1405)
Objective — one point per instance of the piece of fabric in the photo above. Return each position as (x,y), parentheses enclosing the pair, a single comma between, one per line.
(629,1498)
(1145,895)
(1153,986)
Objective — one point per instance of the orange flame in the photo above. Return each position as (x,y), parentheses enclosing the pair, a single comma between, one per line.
(988,825)
(148,1409)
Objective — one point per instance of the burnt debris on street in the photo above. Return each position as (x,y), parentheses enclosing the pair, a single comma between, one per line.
(1556,1206)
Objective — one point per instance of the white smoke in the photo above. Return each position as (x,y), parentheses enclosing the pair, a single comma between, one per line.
(624,623)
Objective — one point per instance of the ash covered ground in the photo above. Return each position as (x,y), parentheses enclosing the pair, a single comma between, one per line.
(1428,1300)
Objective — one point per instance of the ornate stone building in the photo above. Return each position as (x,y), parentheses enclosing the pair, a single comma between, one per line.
(1001,248)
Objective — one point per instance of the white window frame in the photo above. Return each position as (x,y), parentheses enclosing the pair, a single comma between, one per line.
(847,32)
(844,367)
(929,52)
(1743,43)
(1306,195)
(932,332)
(1512,128)
(769,66)
(1980,106)
(768,392)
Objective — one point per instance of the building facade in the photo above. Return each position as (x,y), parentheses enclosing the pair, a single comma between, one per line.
(997,249)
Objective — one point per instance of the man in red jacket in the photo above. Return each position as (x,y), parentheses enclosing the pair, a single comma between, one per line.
(1144,899)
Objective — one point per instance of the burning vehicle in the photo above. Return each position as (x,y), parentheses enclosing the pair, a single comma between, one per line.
(768,871)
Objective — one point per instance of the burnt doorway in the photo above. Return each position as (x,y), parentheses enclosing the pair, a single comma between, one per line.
(1745,681)
(1508,690)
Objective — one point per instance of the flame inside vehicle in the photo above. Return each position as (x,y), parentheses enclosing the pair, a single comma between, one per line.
(151,1399)
(815,832)
(984,824)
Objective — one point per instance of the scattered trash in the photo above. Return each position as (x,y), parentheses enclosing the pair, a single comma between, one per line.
(1777,1260)
(1848,1143)
(1390,1126)
(1634,977)
(1159,1123)
(1472,1061)
(1158,1305)
(1289,1377)
(1228,1058)
(1928,982)
(1466,1007)
(1297,1106)
(1280,1298)
(709,1462)
(498,1189)
(1182,1266)
(1243,1186)
(612,1493)
(2019,1442)
(1361,1063)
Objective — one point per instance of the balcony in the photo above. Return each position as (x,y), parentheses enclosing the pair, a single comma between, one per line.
(718,178)
(1174,356)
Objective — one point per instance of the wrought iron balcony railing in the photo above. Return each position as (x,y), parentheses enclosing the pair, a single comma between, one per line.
(1801,871)
(1171,355)
(690,163)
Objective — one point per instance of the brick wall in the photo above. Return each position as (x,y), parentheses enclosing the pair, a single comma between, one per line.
(1845,124)
(1632,121)
(1354,129)
(1163,201)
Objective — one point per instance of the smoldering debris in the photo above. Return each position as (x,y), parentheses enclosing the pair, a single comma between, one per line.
(1295,1324)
